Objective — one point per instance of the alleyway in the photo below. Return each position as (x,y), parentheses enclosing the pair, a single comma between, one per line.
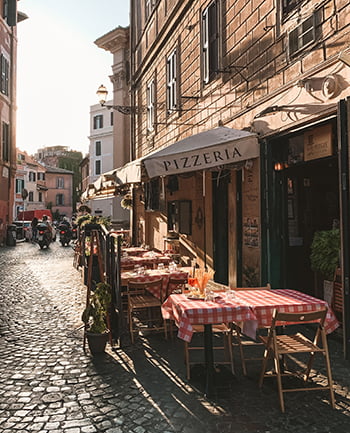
(49,385)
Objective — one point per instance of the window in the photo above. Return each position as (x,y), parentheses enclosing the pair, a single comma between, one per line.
(5,141)
(98,121)
(9,11)
(98,148)
(149,8)
(32,176)
(4,73)
(153,199)
(60,182)
(210,41)
(40,195)
(289,5)
(98,167)
(21,157)
(150,105)
(31,196)
(111,118)
(302,36)
(59,199)
(180,216)
(41,176)
(19,185)
(171,75)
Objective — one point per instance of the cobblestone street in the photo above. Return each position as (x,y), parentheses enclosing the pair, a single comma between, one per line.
(48,384)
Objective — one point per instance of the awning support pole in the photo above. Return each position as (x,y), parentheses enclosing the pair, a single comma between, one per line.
(204,225)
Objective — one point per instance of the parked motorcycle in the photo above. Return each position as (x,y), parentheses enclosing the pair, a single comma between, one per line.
(65,234)
(44,236)
(74,231)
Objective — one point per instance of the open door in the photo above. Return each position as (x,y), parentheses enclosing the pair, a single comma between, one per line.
(220,182)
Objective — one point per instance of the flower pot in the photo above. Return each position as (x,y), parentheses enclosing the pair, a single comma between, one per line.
(97,342)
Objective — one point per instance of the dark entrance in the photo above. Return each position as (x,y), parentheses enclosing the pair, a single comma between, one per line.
(302,197)
(312,205)
(220,182)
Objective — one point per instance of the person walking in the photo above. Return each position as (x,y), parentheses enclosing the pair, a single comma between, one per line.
(34,224)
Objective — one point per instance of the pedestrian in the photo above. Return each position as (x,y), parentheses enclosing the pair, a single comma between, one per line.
(34,224)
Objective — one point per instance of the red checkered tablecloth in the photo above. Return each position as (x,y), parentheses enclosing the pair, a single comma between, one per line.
(263,302)
(153,275)
(187,312)
(144,261)
(252,307)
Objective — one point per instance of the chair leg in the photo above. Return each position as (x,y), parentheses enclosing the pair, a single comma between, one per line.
(263,367)
(279,380)
(131,326)
(187,361)
(241,353)
(328,368)
(228,338)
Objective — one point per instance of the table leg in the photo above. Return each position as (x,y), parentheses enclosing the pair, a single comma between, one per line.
(209,360)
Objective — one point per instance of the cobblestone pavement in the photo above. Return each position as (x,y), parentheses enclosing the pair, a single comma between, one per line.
(49,385)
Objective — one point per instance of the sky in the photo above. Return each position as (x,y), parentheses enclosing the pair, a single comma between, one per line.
(59,69)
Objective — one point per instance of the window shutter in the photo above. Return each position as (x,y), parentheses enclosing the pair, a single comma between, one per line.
(12,13)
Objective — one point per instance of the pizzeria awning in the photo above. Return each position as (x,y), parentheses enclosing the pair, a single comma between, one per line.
(213,148)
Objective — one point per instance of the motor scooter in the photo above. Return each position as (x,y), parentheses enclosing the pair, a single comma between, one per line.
(44,236)
(74,231)
(65,234)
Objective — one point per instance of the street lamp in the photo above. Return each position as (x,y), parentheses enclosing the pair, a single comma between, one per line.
(102,93)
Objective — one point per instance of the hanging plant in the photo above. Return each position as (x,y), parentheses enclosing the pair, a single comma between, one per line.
(126,202)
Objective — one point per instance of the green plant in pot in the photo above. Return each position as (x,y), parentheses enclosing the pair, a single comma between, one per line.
(95,317)
(325,250)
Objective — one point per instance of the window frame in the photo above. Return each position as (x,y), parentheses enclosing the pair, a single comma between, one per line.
(172,81)
(210,41)
(98,148)
(4,75)
(60,199)
(98,121)
(5,141)
(59,182)
(99,165)
(151,103)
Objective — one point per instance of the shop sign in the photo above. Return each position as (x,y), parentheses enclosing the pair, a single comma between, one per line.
(318,143)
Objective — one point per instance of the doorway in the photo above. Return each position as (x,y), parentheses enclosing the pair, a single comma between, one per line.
(312,205)
(302,198)
(220,182)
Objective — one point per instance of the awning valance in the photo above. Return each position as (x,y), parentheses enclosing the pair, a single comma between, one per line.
(213,148)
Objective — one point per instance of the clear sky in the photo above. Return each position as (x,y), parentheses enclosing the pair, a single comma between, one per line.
(60,68)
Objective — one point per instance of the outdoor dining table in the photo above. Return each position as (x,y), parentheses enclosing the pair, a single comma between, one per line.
(145,260)
(134,251)
(253,307)
(153,275)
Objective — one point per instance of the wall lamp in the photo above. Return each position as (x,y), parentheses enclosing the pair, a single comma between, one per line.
(102,93)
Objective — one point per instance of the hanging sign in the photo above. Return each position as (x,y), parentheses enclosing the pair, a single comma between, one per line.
(318,143)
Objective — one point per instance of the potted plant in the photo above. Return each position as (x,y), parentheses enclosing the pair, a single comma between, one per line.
(95,317)
(126,201)
(325,248)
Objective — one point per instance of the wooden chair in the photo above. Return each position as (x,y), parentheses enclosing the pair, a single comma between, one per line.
(142,303)
(246,342)
(176,285)
(338,295)
(283,345)
(222,329)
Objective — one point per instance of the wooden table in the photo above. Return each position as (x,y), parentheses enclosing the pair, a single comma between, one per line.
(152,275)
(254,307)
(145,260)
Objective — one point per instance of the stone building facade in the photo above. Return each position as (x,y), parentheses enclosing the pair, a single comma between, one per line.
(279,70)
